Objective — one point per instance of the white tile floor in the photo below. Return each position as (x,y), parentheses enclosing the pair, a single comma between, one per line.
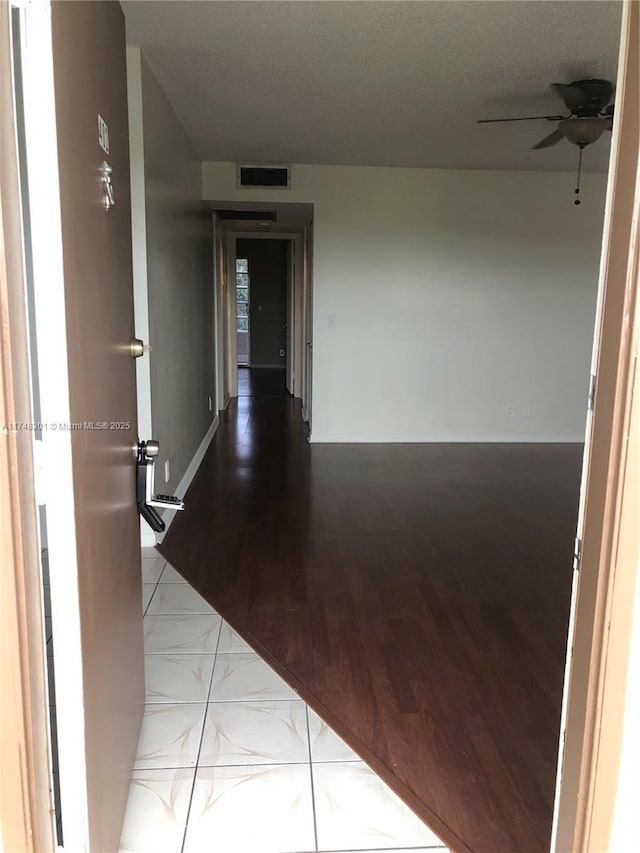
(230,760)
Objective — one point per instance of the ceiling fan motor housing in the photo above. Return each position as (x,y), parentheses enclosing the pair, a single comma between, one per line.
(596,96)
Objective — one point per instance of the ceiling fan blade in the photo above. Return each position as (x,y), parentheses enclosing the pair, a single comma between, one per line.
(520,118)
(550,140)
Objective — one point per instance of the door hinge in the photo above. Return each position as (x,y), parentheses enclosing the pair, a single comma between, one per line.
(577,554)
(592,392)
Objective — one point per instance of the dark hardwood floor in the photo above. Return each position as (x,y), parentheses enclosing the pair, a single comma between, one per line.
(261,382)
(417,596)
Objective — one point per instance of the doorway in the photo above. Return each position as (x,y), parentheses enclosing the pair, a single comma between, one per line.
(264,294)
(261,303)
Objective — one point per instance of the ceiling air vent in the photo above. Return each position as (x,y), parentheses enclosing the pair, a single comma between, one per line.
(252,176)
(248,215)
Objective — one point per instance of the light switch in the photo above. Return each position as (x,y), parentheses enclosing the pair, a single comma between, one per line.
(331,321)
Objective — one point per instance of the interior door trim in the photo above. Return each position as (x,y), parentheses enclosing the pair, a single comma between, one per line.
(43,187)
(25,794)
(602,601)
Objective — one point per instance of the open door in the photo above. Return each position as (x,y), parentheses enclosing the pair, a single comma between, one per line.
(89,59)
(77,208)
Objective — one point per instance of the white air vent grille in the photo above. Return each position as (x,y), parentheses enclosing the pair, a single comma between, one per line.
(251,176)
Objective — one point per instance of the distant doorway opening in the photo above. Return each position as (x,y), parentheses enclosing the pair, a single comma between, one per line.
(262,278)
(239,297)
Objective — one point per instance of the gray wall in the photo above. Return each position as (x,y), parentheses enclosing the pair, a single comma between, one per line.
(180,285)
(267,299)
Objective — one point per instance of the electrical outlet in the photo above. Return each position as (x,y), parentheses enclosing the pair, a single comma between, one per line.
(167,471)
(331,321)
(210,404)
(281,353)
(510,410)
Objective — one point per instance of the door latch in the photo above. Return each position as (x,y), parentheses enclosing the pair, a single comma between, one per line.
(147,499)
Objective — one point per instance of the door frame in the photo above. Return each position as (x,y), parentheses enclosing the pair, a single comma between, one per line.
(221,319)
(25,806)
(296,304)
(139,255)
(55,475)
(601,619)
(307,327)
(25,783)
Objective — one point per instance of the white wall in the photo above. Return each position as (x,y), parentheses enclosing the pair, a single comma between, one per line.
(456,294)
(173,253)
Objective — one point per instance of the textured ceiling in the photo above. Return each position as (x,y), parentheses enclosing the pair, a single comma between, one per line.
(376,83)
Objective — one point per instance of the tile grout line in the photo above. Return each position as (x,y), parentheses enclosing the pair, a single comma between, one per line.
(240,766)
(155,588)
(313,793)
(208,701)
(389,849)
(197,765)
(145,613)
(204,722)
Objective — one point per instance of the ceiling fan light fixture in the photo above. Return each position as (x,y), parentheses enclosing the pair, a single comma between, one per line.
(590,114)
(583,131)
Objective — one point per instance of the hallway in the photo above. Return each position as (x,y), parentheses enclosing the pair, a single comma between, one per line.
(261,382)
(416,596)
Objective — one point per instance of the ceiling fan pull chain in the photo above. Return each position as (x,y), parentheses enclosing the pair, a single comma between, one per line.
(577,189)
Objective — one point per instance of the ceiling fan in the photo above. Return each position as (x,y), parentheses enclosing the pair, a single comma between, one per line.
(590,114)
